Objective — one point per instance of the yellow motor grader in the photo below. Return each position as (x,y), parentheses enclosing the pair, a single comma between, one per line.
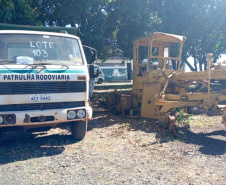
(159,83)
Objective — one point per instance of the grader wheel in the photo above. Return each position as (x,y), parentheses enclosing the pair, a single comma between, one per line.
(164,121)
(172,128)
(122,102)
(168,121)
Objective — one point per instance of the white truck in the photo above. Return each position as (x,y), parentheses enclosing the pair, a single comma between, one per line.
(44,81)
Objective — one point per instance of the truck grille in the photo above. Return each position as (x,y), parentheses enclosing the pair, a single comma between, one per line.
(42,87)
(41,106)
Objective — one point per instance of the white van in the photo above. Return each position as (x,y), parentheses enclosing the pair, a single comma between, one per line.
(100,78)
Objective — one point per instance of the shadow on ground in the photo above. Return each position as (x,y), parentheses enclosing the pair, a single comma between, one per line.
(211,142)
(22,146)
(26,146)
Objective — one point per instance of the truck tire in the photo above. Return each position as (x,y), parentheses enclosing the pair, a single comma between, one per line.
(99,81)
(78,129)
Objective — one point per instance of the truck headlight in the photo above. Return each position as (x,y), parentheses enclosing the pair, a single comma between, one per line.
(71,114)
(81,113)
(1,120)
(10,119)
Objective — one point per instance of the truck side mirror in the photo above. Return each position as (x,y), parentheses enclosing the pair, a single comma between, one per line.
(91,71)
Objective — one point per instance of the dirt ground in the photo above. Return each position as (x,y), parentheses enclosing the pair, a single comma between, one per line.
(119,150)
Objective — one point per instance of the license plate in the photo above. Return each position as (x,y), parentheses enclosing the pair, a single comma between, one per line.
(41,97)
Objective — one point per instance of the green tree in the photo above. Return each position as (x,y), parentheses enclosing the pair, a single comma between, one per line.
(111,25)
(202,22)
(90,17)
(131,19)
(18,12)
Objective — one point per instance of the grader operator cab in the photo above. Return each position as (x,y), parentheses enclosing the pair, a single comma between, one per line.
(152,78)
(157,89)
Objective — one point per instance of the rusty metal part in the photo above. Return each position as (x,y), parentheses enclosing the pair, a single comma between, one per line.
(172,121)
(168,122)
(111,99)
(27,118)
(123,102)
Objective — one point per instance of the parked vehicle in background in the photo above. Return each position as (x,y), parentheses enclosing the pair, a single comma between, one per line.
(97,70)
(115,73)
(100,78)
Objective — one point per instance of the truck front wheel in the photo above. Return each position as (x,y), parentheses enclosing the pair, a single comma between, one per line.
(78,129)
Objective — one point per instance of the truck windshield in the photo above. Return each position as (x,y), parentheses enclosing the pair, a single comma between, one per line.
(39,49)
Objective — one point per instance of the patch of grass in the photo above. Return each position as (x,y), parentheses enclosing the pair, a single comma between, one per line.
(201,121)
(184,118)
(78,147)
(91,144)
(197,121)
(127,124)
(117,131)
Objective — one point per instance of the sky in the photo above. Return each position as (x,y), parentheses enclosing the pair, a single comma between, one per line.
(191,60)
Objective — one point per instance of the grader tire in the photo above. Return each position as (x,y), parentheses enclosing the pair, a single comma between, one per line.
(78,129)
(172,125)
(168,122)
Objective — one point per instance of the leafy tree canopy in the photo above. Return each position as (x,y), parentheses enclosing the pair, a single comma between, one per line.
(18,12)
(202,22)
(90,17)
(111,25)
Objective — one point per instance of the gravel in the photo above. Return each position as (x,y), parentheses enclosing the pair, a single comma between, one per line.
(118,150)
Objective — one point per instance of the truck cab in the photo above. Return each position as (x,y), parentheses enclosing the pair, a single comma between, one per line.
(44,81)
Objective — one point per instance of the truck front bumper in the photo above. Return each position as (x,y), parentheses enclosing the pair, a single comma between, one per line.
(37,118)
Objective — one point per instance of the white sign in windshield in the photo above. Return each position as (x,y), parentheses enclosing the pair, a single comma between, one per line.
(41,48)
